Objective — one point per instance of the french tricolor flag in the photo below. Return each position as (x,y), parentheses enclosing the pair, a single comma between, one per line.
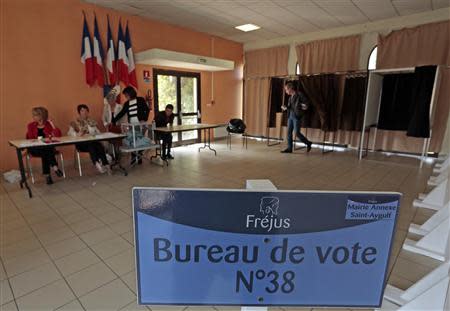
(86,55)
(122,59)
(98,55)
(111,59)
(131,66)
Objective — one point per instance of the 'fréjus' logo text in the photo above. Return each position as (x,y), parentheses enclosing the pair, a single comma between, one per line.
(269,220)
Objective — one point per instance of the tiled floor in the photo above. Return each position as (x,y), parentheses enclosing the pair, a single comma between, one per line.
(71,246)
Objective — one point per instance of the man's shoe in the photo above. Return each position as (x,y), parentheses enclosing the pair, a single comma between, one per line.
(49,180)
(308,147)
(163,157)
(287,151)
(59,173)
(170,157)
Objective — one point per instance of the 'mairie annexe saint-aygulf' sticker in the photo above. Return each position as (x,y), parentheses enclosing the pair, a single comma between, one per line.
(239,247)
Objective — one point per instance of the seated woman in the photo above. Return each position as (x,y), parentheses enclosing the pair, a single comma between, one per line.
(84,125)
(42,127)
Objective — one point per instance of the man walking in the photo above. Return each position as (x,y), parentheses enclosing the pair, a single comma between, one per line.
(297,105)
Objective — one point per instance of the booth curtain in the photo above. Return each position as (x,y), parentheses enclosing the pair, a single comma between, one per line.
(419,123)
(276,99)
(396,100)
(260,66)
(331,55)
(256,105)
(423,45)
(441,119)
(322,91)
(348,96)
(265,63)
(405,102)
(352,112)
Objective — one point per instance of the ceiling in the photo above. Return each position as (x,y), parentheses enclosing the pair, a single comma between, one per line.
(277,18)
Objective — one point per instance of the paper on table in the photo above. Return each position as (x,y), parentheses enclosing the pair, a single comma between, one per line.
(106,135)
(33,143)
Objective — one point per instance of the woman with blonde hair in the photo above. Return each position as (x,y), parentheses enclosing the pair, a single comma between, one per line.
(41,128)
(112,108)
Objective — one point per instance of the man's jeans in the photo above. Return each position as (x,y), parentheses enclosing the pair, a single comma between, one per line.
(294,125)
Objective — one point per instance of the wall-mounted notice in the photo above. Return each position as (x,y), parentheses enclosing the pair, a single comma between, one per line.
(239,247)
(146,75)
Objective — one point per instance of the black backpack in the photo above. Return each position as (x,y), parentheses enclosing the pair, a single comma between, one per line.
(236,126)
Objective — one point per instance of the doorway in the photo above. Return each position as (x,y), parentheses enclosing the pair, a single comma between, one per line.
(182,90)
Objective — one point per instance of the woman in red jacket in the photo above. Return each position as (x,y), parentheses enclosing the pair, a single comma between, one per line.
(41,127)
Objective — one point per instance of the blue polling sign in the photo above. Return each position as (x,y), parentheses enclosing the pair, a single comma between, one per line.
(283,248)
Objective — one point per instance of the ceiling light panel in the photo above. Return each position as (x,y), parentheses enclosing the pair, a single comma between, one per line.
(247,27)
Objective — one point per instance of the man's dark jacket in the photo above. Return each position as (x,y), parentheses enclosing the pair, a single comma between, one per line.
(295,105)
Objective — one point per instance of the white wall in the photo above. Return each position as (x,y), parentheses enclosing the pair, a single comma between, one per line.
(369,32)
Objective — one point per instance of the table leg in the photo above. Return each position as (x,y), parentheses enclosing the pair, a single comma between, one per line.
(117,157)
(121,168)
(22,173)
(207,141)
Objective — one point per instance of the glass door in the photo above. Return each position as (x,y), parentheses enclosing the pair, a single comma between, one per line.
(190,112)
(182,90)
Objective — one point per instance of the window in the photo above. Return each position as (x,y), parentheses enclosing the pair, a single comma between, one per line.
(372,65)
(297,69)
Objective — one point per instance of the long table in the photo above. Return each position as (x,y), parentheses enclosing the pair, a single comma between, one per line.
(22,144)
(205,128)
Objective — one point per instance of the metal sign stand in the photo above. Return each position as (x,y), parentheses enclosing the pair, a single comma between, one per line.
(262,185)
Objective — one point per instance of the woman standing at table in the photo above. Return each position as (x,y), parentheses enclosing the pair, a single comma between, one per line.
(137,111)
(42,127)
(111,108)
(135,108)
